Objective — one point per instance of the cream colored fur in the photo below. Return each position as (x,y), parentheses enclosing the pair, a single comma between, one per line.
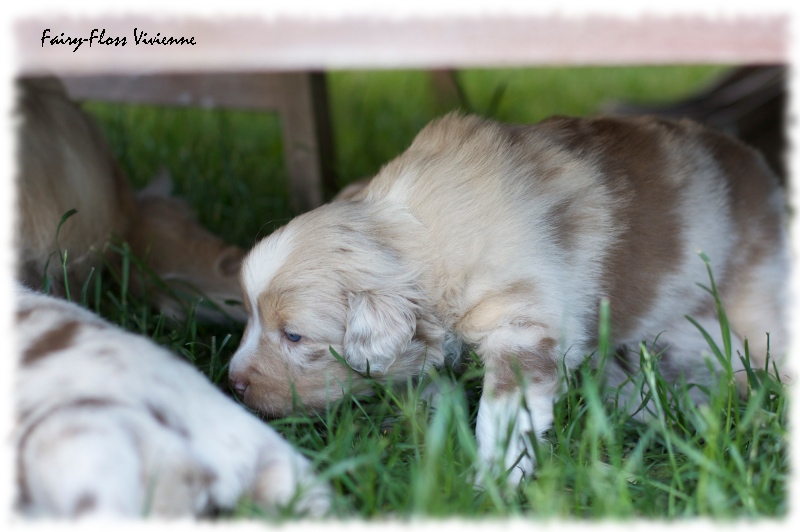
(351,190)
(503,239)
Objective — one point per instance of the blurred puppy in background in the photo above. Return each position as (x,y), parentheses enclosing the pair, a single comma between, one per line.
(503,239)
(65,163)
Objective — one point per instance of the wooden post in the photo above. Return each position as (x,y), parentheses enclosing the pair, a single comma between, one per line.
(307,139)
(299,98)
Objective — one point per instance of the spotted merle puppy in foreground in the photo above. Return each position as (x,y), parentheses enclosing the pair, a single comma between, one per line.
(108,424)
(503,239)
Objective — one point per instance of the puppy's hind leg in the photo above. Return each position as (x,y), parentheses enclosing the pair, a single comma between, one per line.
(110,461)
(689,354)
(681,352)
(80,468)
(757,307)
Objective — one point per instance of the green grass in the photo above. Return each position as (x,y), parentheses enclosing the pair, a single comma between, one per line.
(390,455)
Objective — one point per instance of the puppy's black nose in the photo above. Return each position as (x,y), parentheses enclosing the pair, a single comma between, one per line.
(240,384)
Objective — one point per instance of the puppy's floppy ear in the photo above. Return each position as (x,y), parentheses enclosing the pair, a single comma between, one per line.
(229,261)
(379,326)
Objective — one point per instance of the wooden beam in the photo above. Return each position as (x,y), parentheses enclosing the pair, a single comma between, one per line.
(239,44)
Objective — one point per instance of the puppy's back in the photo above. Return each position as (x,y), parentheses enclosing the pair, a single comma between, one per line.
(593,207)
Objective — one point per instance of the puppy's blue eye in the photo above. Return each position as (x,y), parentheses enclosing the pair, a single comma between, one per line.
(292,337)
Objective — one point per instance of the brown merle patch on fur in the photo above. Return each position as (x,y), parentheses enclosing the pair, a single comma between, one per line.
(751,182)
(515,135)
(568,222)
(751,191)
(320,354)
(23,314)
(630,154)
(162,419)
(52,341)
(86,503)
(539,366)
(563,226)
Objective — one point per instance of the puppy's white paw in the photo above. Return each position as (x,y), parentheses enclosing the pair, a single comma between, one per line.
(285,478)
(504,431)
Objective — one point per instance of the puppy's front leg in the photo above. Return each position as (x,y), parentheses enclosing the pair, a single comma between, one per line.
(520,387)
